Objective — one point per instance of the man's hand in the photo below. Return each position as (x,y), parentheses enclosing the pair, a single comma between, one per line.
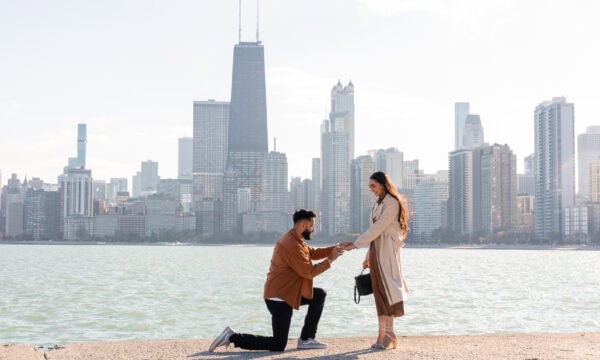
(335,252)
(347,245)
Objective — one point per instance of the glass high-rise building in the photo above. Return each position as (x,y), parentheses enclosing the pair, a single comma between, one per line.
(472,131)
(554,167)
(247,138)
(361,196)
(211,124)
(461,110)
(588,150)
(185,158)
(335,175)
(342,110)
(248,114)
(430,202)
(149,178)
(461,192)
(337,150)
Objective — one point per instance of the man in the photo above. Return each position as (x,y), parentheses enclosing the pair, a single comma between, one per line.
(290,284)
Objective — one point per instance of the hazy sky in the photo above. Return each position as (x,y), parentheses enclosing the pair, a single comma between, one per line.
(130,70)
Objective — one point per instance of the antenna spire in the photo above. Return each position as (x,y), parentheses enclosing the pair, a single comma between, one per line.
(240,22)
(257,18)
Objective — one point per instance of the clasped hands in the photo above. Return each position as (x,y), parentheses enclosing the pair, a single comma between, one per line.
(340,248)
(346,246)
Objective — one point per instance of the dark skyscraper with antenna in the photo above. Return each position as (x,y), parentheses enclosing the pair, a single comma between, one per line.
(247,139)
(248,112)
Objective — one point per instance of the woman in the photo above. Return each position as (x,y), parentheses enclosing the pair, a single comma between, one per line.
(389,226)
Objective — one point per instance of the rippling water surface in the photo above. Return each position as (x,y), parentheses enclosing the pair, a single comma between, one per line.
(55,294)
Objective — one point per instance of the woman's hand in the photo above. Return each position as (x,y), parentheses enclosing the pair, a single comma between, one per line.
(366,263)
(348,245)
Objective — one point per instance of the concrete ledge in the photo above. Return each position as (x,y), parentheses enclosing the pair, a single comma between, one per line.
(496,346)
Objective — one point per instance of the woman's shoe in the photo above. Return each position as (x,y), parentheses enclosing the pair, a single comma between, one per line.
(377,346)
(389,341)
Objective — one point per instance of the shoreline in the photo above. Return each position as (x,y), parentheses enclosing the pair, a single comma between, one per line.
(564,247)
(487,346)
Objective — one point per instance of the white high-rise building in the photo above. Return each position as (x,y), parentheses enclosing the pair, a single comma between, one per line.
(429,209)
(411,174)
(461,110)
(342,109)
(361,197)
(554,167)
(461,192)
(335,165)
(77,189)
(394,166)
(588,150)
(472,132)
(78,203)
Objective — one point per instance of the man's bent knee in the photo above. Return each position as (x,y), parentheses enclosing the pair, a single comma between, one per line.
(279,345)
(319,293)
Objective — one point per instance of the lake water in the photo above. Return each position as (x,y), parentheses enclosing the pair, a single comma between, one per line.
(56,294)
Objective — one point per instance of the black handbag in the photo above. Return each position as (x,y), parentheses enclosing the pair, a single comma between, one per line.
(362,286)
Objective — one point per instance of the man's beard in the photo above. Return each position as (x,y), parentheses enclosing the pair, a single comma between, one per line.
(306,234)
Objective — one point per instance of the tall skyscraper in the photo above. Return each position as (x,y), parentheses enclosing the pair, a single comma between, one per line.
(394,166)
(77,193)
(342,110)
(14,204)
(248,116)
(498,189)
(461,192)
(78,206)
(594,187)
(335,172)
(247,140)
(361,197)
(337,150)
(185,158)
(211,124)
(482,190)
(461,110)
(554,167)
(79,161)
(588,150)
(317,191)
(274,210)
(472,131)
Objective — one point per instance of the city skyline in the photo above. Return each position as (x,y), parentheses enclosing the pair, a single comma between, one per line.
(133,85)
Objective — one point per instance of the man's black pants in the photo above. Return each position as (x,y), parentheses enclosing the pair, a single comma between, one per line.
(281,318)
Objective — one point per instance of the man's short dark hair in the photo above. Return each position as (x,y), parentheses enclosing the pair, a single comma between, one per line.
(302,214)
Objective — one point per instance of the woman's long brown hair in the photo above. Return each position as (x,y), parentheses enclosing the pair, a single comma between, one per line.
(391,189)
